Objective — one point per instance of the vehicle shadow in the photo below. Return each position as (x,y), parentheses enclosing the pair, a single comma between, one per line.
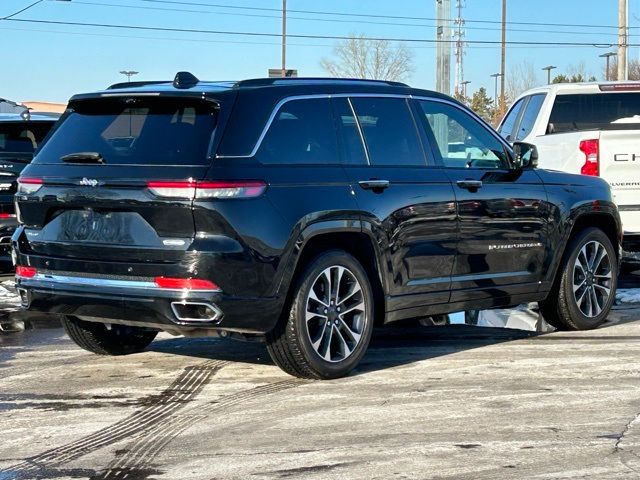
(390,346)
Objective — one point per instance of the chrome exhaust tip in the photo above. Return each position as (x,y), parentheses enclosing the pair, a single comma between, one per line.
(25,298)
(196,311)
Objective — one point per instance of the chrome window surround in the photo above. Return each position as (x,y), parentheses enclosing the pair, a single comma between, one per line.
(292,98)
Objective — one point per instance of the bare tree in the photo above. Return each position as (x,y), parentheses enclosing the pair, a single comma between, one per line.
(360,57)
(521,77)
(633,66)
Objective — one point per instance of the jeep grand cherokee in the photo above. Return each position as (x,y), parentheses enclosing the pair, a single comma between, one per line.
(298,211)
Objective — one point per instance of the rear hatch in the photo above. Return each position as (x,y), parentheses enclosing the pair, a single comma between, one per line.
(18,141)
(115,181)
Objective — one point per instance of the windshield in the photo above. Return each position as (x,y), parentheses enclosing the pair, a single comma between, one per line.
(142,131)
(605,111)
(22,136)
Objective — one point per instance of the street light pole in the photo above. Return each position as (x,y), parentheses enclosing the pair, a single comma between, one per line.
(548,69)
(129,74)
(464,88)
(607,56)
(495,97)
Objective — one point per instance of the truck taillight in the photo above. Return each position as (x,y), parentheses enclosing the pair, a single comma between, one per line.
(591,150)
(29,185)
(208,189)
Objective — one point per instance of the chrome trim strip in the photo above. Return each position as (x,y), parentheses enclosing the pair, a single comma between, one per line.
(131,94)
(105,282)
(362,140)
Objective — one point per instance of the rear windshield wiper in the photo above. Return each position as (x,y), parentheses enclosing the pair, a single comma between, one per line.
(83,157)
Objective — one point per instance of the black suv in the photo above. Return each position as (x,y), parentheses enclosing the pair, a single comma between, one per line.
(20,135)
(298,211)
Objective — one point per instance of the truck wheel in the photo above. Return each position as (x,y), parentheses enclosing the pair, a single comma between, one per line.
(329,324)
(97,338)
(587,283)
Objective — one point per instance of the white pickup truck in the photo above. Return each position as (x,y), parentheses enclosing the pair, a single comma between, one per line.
(591,129)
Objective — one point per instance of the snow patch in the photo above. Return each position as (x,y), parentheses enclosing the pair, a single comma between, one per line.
(628,295)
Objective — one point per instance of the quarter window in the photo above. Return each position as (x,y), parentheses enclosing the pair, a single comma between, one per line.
(389,131)
(461,140)
(302,132)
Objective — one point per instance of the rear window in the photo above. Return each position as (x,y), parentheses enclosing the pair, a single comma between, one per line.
(141,131)
(604,111)
(22,137)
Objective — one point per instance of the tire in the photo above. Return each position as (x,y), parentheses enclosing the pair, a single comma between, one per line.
(97,338)
(582,311)
(301,345)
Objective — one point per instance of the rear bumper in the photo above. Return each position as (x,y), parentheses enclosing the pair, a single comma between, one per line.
(147,306)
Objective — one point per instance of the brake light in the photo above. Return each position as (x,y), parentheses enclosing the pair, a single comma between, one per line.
(29,185)
(185,284)
(25,272)
(4,216)
(208,189)
(591,150)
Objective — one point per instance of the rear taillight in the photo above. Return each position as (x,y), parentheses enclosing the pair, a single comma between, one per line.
(207,189)
(25,272)
(591,150)
(4,216)
(185,284)
(29,185)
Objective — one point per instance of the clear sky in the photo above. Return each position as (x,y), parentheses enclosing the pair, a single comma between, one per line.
(52,62)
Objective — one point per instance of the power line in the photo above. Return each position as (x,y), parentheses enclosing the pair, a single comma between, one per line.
(330,20)
(307,36)
(22,10)
(363,15)
(235,42)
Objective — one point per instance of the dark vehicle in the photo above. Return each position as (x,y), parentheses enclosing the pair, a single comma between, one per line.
(20,135)
(299,212)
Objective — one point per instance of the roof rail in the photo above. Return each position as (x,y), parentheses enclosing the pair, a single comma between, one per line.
(259,82)
(117,86)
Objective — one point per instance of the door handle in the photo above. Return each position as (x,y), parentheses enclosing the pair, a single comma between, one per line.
(374,184)
(469,184)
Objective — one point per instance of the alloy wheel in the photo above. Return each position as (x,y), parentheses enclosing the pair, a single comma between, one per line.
(335,313)
(592,279)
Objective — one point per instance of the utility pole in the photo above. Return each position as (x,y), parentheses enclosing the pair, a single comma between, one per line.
(548,69)
(443,47)
(622,39)
(459,34)
(284,38)
(503,59)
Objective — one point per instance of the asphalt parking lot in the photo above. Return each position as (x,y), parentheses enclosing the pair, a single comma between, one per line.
(440,402)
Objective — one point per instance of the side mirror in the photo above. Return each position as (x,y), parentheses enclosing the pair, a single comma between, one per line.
(526,155)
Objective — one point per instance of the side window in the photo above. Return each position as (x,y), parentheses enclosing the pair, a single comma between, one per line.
(463,142)
(302,132)
(389,131)
(530,115)
(352,146)
(509,123)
